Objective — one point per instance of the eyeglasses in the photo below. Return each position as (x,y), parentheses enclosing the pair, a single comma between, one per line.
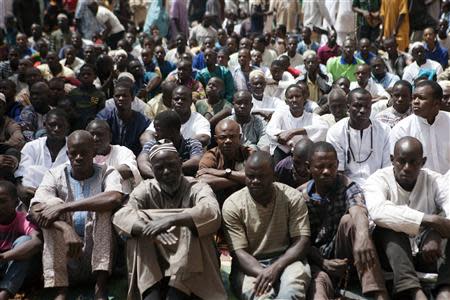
(350,154)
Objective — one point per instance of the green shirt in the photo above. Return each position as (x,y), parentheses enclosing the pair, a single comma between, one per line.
(337,67)
(204,108)
(221,72)
(369,5)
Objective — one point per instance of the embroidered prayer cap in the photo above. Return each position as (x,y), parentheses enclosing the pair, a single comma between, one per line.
(162,145)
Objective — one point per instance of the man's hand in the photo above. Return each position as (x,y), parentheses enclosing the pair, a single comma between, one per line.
(166,238)
(73,242)
(142,94)
(266,279)
(211,171)
(266,115)
(49,214)
(431,248)
(364,252)
(439,224)
(335,267)
(285,136)
(8,162)
(156,227)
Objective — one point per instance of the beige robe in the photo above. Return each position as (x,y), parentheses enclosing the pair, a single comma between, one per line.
(192,264)
(98,238)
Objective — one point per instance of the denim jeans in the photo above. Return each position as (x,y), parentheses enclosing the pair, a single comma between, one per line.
(13,272)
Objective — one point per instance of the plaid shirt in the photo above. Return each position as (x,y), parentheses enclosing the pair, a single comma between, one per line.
(326,213)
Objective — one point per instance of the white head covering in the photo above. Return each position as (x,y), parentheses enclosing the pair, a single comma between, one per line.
(2,97)
(255,73)
(127,75)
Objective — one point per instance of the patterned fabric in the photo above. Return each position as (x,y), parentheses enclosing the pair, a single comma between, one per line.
(32,123)
(5,70)
(391,117)
(326,213)
(188,148)
(198,92)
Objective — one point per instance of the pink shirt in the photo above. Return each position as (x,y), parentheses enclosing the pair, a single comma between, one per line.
(10,232)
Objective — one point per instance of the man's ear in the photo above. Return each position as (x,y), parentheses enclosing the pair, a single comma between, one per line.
(307,164)
(392,158)
(424,160)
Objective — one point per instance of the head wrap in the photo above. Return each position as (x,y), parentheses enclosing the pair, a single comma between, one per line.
(162,145)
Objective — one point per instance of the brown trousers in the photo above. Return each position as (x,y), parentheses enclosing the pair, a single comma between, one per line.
(371,280)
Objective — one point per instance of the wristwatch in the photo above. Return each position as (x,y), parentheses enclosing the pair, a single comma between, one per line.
(227,172)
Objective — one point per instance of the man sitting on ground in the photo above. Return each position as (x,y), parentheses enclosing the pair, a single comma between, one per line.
(119,157)
(215,107)
(167,127)
(337,105)
(74,202)
(222,166)
(21,241)
(292,170)
(401,104)
(193,124)
(127,125)
(267,230)
(428,124)
(253,130)
(361,143)
(405,202)
(339,228)
(169,223)
(44,153)
(292,121)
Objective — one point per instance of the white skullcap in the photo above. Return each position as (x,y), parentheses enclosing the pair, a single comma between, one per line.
(255,73)
(126,75)
(308,53)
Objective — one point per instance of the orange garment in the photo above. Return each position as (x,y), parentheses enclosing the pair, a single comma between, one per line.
(390,11)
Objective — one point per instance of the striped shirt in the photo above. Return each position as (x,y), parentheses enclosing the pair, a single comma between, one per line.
(188,148)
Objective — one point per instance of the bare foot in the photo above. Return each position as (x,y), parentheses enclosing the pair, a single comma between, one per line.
(444,293)
(418,294)
(61,294)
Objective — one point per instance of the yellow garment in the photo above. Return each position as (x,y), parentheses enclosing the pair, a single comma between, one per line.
(390,11)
